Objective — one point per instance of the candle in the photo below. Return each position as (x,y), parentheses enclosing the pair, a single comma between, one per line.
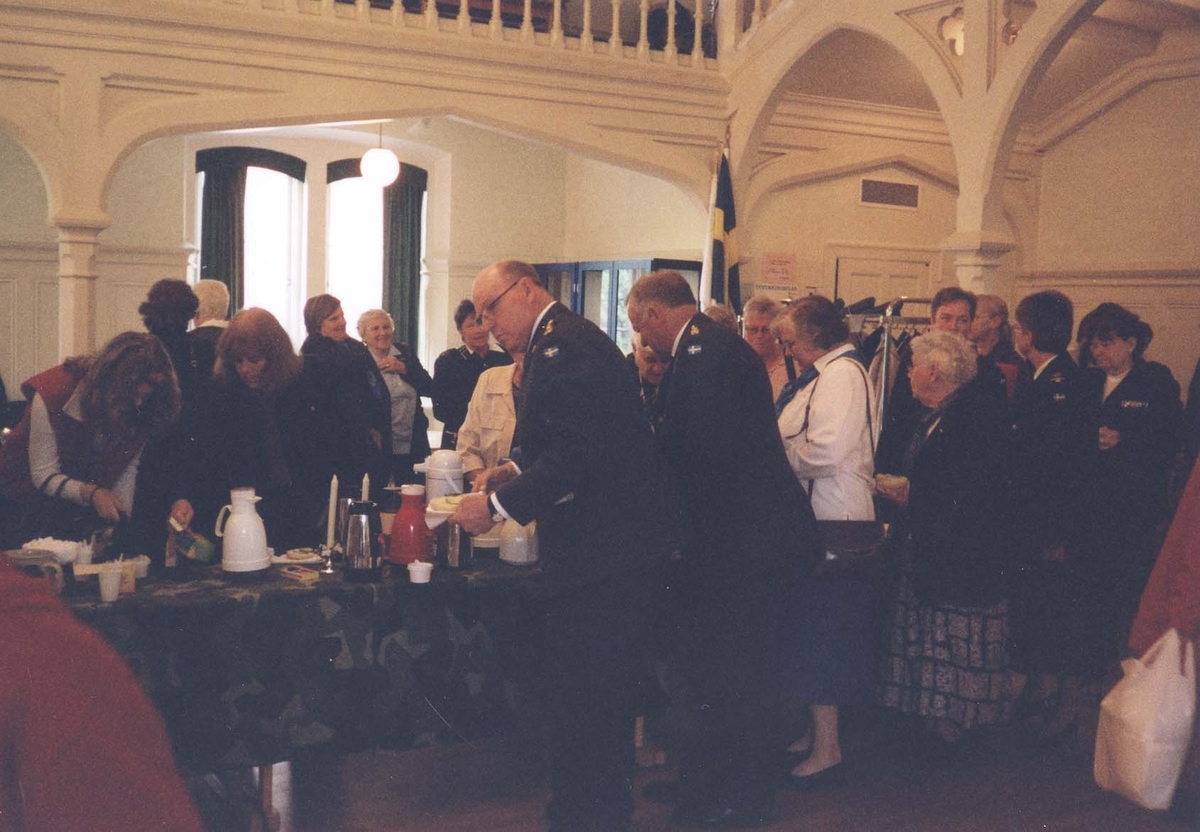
(366,489)
(333,492)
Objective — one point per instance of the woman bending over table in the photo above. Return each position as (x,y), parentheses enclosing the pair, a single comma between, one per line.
(273,426)
(71,465)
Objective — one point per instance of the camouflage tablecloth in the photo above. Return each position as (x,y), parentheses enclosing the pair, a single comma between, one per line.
(253,671)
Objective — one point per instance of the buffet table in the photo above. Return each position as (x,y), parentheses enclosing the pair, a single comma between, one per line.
(253,671)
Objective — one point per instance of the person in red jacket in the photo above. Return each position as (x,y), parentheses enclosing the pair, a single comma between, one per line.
(80,745)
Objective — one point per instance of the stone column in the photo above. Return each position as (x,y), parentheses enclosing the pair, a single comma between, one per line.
(976,258)
(77,248)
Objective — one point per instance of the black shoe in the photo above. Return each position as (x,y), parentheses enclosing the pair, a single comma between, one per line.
(724,815)
(827,778)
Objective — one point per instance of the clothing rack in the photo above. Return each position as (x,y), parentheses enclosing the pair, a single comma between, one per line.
(891,320)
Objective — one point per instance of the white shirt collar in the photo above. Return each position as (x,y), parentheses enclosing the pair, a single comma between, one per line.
(1043,366)
(679,336)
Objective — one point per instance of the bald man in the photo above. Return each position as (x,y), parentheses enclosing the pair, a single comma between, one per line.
(586,467)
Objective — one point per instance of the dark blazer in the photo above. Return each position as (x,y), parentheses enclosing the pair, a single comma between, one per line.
(364,404)
(955,511)
(591,474)
(455,374)
(1129,487)
(745,510)
(1051,448)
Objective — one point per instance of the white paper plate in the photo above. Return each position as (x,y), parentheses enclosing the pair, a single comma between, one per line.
(283,559)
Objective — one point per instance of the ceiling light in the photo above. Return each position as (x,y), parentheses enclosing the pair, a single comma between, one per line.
(379,166)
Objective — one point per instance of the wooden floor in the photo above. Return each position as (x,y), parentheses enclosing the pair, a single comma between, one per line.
(1003,785)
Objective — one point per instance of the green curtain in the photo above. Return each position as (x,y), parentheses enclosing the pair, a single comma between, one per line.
(222,234)
(402,215)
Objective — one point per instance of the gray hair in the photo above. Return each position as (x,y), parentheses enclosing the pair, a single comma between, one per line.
(364,320)
(949,352)
(665,287)
(214,299)
(761,304)
(724,316)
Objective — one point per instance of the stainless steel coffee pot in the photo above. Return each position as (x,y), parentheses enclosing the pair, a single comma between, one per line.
(364,541)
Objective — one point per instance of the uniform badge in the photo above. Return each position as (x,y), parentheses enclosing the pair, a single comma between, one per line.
(695,330)
(1060,397)
(694,349)
(549,326)
(550,352)
(1133,404)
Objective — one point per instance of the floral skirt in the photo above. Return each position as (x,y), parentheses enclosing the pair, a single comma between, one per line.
(945,661)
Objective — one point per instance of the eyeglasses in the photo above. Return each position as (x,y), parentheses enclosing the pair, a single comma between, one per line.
(787,345)
(489,309)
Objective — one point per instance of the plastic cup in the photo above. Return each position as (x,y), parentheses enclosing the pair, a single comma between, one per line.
(110,581)
(419,572)
(141,566)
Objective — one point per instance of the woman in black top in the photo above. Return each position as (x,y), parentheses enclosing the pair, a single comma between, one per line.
(349,368)
(1138,436)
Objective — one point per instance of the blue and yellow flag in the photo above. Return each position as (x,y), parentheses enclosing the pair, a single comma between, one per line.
(725,286)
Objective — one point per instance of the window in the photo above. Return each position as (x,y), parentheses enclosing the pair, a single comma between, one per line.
(252,223)
(274,250)
(354,246)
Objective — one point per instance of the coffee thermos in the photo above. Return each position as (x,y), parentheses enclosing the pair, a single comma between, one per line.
(364,542)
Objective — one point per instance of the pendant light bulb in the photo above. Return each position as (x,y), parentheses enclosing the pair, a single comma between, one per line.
(379,166)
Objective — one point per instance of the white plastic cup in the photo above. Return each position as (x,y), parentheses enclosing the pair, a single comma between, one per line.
(110,581)
(419,572)
(141,566)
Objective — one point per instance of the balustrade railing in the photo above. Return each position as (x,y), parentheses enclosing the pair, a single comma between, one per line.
(667,32)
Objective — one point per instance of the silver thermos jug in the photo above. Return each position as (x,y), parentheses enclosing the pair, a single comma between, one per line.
(364,542)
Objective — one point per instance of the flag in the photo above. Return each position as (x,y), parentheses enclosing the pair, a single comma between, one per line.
(724,286)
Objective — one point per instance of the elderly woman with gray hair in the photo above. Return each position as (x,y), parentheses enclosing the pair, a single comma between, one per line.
(945,655)
(407,381)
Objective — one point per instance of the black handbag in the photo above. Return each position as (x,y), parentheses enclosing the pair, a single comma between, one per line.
(851,548)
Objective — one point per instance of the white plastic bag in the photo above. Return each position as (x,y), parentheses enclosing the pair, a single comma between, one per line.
(1146,725)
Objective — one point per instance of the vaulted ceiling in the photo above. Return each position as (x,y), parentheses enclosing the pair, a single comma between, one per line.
(853,66)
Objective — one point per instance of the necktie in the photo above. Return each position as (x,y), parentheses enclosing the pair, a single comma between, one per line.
(790,389)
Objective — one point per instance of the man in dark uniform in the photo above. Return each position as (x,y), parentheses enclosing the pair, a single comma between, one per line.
(586,467)
(749,527)
(456,372)
(1049,450)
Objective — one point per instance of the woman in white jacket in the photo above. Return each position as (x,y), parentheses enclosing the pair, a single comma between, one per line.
(826,424)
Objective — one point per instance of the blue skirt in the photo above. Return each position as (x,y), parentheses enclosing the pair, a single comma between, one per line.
(829,642)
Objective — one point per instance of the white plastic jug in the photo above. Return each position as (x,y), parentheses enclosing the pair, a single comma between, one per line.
(245,546)
(443,472)
(518,544)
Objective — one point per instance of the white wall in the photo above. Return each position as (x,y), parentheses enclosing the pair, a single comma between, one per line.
(23,208)
(615,212)
(1117,193)
(804,220)
(1118,217)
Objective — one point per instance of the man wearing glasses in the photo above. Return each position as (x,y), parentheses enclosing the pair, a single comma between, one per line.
(586,467)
